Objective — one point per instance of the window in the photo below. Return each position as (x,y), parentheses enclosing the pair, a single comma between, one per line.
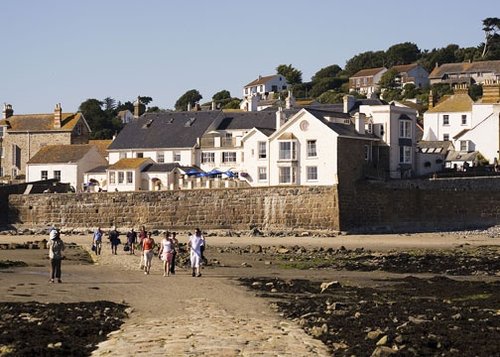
(262,173)
(160,157)
(121,177)
(312,173)
(16,156)
(207,157)
(1,131)
(130,176)
(274,88)
(464,119)
(140,155)
(57,175)
(262,149)
(287,150)
(311,148)
(44,175)
(463,145)
(405,129)
(286,175)
(123,155)
(177,156)
(446,137)
(112,178)
(405,155)
(1,152)
(228,156)
(368,153)
(446,119)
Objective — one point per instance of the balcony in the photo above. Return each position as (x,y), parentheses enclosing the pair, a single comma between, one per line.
(218,142)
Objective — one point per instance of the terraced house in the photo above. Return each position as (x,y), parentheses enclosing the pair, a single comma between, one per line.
(25,134)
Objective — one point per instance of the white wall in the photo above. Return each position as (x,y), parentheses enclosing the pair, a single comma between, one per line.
(326,147)
(188,157)
(252,161)
(69,173)
(484,137)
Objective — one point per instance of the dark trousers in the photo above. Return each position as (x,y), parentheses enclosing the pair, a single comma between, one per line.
(172,263)
(55,268)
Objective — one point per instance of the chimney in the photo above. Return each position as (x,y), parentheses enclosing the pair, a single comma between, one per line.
(7,111)
(189,107)
(431,100)
(491,92)
(254,101)
(280,118)
(57,116)
(359,122)
(349,102)
(214,106)
(290,100)
(137,108)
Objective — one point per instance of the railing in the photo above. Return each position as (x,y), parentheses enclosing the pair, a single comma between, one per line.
(224,142)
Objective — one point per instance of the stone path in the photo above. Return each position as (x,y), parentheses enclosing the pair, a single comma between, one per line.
(207,316)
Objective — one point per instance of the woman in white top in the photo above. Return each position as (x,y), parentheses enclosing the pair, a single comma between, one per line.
(195,243)
(167,248)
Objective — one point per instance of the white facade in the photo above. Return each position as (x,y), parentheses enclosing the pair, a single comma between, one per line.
(303,152)
(72,173)
(396,126)
(182,156)
(222,150)
(123,178)
(256,154)
(264,85)
(444,126)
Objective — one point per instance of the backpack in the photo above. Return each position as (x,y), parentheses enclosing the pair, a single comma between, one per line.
(57,247)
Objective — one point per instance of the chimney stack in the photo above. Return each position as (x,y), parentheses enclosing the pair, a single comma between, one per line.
(491,92)
(137,108)
(189,107)
(57,116)
(290,100)
(349,102)
(431,100)
(214,106)
(359,122)
(280,118)
(7,111)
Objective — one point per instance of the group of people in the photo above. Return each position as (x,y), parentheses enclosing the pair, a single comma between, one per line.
(167,248)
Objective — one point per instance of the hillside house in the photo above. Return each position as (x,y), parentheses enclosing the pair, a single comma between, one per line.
(366,81)
(465,73)
(411,74)
(260,93)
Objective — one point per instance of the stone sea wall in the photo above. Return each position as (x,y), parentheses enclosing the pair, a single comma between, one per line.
(270,208)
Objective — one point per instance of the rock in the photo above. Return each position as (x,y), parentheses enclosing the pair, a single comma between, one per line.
(417,321)
(282,250)
(373,335)
(326,286)
(255,248)
(357,315)
(382,351)
(456,316)
(318,331)
(305,234)
(382,341)
(339,346)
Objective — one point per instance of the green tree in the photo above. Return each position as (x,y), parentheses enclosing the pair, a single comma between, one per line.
(475,91)
(439,56)
(292,75)
(327,72)
(233,103)
(402,53)
(389,80)
(331,97)
(192,96)
(102,122)
(324,84)
(364,60)
(221,95)
(302,90)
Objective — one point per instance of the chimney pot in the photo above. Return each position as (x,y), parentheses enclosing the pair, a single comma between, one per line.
(57,116)
(7,111)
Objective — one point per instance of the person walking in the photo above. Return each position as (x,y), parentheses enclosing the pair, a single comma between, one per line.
(165,253)
(131,240)
(148,245)
(174,253)
(56,248)
(194,244)
(143,234)
(97,241)
(114,239)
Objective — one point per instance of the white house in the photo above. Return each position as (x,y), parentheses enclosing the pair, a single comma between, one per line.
(126,175)
(257,93)
(471,127)
(256,152)
(366,81)
(315,147)
(395,125)
(66,163)
(125,116)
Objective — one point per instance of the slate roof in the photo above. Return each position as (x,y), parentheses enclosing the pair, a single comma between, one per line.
(261,80)
(58,154)
(460,102)
(465,67)
(161,167)
(404,67)
(245,120)
(340,129)
(40,122)
(165,130)
(368,72)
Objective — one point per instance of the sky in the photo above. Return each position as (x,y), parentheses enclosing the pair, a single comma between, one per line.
(60,51)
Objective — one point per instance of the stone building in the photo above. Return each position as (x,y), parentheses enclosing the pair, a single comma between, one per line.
(22,136)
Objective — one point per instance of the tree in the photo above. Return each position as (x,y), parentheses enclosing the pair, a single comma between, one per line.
(102,122)
(223,94)
(109,103)
(324,84)
(190,97)
(331,97)
(292,75)
(327,72)
(439,55)
(302,90)
(389,80)
(491,27)
(364,60)
(403,53)
(475,91)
